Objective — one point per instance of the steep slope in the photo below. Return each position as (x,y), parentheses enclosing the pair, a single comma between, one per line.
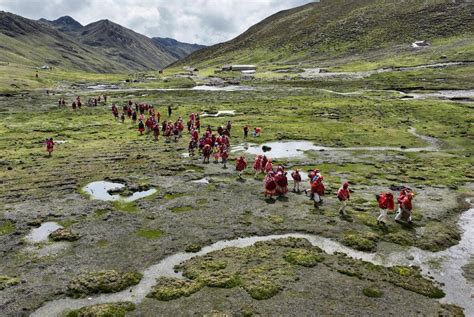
(102,46)
(28,42)
(332,28)
(176,48)
(125,46)
(64,24)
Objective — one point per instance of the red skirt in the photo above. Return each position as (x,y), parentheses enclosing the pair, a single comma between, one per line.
(270,187)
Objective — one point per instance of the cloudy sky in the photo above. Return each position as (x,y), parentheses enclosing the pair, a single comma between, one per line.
(195,21)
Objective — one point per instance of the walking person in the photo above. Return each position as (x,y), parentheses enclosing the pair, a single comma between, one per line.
(343,195)
(49,146)
(240,165)
(296,176)
(385,201)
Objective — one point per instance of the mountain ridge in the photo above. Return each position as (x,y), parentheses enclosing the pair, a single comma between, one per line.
(101,46)
(64,24)
(176,48)
(333,28)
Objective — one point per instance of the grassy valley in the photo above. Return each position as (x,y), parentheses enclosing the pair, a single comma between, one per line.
(334,89)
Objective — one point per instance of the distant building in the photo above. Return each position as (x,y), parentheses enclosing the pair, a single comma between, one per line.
(190,69)
(238,68)
(420,44)
(248,73)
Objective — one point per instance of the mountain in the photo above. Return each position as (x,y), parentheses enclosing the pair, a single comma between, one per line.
(334,28)
(28,42)
(176,48)
(125,46)
(101,46)
(64,24)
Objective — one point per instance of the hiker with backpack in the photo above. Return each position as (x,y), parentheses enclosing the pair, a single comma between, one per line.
(385,201)
(405,206)
(343,195)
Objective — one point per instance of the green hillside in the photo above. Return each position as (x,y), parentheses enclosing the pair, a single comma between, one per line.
(344,29)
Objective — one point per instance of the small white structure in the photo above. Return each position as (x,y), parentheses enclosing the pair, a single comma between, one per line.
(190,69)
(420,44)
(237,68)
(243,67)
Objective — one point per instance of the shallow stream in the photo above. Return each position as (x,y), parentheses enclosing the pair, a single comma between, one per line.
(447,272)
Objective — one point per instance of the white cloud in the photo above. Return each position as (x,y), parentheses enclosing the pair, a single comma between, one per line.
(194,21)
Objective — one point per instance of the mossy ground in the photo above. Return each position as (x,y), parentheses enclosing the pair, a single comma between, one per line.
(7,281)
(102,282)
(103,310)
(150,234)
(36,187)
(265,269)
(6,227)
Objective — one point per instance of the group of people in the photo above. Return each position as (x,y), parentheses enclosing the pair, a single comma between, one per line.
(77,103)
(217,144)
(386,203)
(210,144)
(276,184)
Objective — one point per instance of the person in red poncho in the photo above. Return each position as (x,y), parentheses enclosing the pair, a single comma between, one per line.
(257,164)
(281,181)
(264,163)
(385,201)
(256,132)
(224,154)
(156,131)
(115,111)
(240,165)
(269,185)
(406,206)
(296,176)
(49,146)
(206,152)
(343,195)
(317,189)
(268,166)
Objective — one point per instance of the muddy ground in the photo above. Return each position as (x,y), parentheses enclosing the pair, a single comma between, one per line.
(185,215)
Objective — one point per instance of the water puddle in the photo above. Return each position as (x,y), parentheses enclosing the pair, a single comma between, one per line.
(285,149)
(100,190)
(223,88)
(449,273)
(114,88)
(461,95)
(103,87)
(221,113)
(201,181)
(296,149)
(41,233)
